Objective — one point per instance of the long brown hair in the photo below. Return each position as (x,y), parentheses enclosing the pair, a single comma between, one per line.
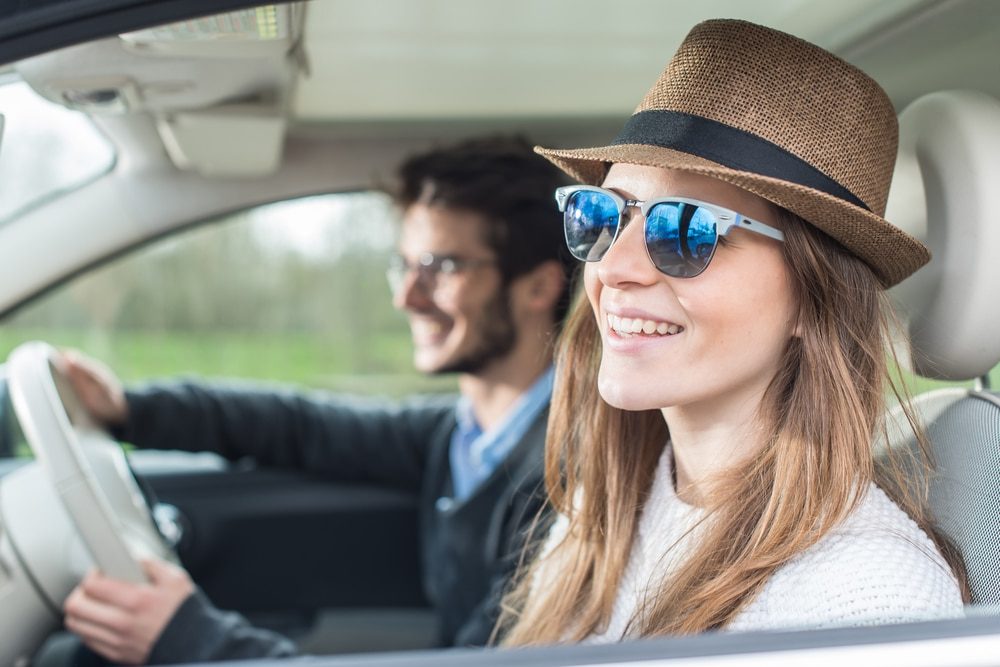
(820,416)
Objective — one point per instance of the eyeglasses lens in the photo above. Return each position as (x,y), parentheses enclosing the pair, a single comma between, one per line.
(590,220)
(680,238)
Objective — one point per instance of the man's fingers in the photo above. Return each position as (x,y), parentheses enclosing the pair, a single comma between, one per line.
(105,629)
(99,389)
(113,653)
(161,571)
(78,372)
(122,621)
(82,608)
(94,633)
(104,589)
(108,642)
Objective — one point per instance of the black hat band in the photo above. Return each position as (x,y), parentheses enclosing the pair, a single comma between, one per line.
(728,146)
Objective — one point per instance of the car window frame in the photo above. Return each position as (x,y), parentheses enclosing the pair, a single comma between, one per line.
(955,638)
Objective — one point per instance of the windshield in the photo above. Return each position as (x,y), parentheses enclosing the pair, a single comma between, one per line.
(47,149)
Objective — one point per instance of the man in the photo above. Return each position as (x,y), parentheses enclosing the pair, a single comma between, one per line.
(483,277)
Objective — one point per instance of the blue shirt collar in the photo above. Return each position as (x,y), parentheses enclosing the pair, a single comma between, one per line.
(475,454)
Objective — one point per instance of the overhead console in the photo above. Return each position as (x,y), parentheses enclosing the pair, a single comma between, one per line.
(217,88)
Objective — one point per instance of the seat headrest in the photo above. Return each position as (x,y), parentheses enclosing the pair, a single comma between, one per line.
(946,192)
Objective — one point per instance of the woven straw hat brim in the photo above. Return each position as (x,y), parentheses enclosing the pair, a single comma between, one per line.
(890,252)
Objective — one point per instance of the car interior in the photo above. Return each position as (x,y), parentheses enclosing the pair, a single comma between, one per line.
(225,109)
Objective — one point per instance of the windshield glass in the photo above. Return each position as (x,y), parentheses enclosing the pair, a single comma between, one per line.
(289,292)
(46,149)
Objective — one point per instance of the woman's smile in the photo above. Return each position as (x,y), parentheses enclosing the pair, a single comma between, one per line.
(632,332)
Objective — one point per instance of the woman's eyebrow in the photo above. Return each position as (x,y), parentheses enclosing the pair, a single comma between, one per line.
(621,193)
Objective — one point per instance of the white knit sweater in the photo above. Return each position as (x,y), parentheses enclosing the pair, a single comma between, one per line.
(876,567)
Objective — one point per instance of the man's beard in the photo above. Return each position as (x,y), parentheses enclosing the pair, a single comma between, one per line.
(497,337)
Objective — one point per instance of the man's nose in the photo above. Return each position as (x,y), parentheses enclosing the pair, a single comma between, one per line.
(412,293)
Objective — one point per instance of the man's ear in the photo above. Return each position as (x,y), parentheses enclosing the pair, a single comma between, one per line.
(543,285)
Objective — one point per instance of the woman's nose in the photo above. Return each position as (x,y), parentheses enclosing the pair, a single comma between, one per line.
(627,261)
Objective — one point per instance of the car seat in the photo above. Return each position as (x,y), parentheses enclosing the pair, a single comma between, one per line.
(946,191)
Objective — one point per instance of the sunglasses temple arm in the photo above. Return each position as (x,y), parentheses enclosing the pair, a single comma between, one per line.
(758,227)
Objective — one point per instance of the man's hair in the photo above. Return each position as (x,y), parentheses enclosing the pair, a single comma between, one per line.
(505,182)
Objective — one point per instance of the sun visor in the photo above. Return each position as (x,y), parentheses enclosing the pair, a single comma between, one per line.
(225,141)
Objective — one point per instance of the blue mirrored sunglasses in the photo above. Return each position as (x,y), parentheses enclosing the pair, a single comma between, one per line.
(681,234)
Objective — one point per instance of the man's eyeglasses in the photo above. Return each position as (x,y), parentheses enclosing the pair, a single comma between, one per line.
(681,234)
(432,270)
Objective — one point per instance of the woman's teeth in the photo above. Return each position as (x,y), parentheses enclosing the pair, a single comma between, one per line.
(633,326)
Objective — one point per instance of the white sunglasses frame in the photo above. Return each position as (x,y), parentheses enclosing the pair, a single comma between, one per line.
(727,218)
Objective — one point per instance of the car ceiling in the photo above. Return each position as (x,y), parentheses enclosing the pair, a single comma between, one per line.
(446,59)
(446,67)
(440,58)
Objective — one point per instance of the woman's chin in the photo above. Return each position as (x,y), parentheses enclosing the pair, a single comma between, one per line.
(625,395)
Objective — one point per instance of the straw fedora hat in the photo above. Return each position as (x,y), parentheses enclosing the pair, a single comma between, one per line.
(778,117)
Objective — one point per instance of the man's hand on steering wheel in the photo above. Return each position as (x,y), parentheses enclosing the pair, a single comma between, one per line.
(123,621)
(98,389)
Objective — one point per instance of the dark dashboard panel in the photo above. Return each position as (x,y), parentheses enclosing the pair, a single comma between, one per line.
(263,541)
(334,566)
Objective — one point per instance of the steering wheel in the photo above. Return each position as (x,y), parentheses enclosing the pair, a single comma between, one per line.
(84,465)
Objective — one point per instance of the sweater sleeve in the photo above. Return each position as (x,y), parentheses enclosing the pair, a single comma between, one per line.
(198,632)
(342,438)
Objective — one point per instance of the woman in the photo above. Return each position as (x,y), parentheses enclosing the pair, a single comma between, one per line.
(710,450)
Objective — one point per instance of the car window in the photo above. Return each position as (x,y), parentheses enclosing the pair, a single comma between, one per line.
(47,149)
(292,292)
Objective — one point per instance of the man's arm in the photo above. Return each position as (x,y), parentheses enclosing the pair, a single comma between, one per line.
(344,438)
(199,632)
